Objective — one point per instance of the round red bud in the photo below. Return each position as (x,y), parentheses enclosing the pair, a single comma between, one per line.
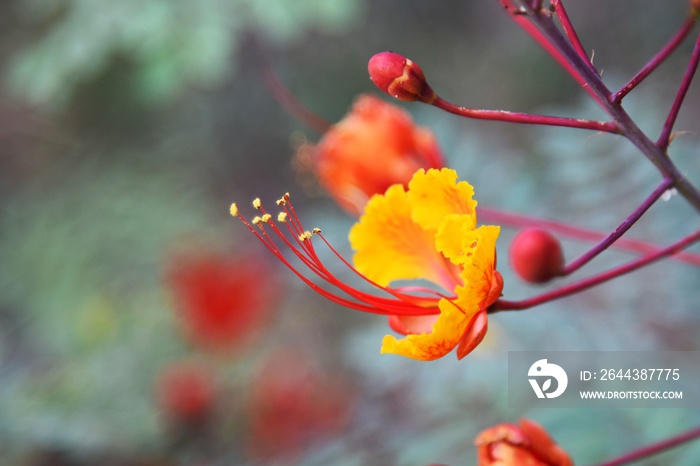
(536,255)
(400,77)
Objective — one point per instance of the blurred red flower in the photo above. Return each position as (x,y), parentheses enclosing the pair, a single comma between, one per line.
(222,302)
(293,406)
(526,444)
(186,394)
(373,147)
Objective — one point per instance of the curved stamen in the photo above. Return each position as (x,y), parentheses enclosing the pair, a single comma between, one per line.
(403,301)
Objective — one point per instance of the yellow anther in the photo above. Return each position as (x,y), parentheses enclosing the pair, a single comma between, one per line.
(234,210)
(283,200)
(316,231)
(256,220)
(282,217)
(257,203)
(266,218)
(304,236)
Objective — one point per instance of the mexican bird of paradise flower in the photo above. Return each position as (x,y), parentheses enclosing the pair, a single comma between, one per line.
(373,147)
(426,231)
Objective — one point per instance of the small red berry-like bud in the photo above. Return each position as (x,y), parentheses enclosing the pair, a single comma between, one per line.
(400,77)
(536,255)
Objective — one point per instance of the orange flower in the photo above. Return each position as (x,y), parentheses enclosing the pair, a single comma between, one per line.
(428,232)
(219,299)
(527,444)
(375,146)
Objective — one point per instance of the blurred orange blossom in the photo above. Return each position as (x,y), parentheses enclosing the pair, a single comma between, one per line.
(373,147)
(517,445)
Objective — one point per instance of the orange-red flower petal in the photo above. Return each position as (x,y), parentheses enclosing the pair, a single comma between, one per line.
(375,146)
(516,445)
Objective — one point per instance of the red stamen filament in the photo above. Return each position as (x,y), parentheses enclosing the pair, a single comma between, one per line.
(299,241)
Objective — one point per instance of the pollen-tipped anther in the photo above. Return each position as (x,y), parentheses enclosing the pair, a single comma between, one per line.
(283,200)
(234,210)
(282,217)
(305,236)
(257,203)
(400,77)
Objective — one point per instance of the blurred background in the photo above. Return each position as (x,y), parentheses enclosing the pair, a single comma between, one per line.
(127,129)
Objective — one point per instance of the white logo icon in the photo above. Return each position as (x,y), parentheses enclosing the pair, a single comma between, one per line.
(543,369)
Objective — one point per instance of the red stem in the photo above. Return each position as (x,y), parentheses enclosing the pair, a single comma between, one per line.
(655,448)
(503,305)
(665,137)
(659,58)
(570,31)
(513,220)
(526,118)
(620,230)
(290,103)
(533,31)
(627,127)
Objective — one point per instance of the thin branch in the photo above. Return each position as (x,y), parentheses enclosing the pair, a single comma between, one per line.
(513,220)
(503,305)
(665,137)
(283,95)
(659,58)
(570,31)
(525,22)
(627,126)
(620,230)
(290,103)
(655,448)
(526,118)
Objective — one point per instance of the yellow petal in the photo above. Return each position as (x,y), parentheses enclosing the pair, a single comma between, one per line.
(455,323)
(390,246)
(446,335)
(436,194)
(479,273)
(457,239)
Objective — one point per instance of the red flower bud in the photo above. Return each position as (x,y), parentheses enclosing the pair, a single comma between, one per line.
(400,77)
(536,255)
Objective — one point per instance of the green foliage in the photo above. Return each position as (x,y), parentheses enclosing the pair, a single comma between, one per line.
(171,44)
(86,249)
